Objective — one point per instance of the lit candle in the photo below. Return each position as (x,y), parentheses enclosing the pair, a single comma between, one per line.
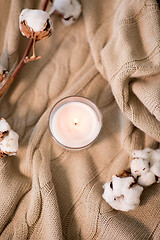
(75,122)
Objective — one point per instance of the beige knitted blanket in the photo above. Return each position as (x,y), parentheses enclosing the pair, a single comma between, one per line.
(111,55)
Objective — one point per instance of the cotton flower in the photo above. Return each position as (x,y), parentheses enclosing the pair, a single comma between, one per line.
(4,126)
(141,171)
(144,154)
(35,24)
(8,139)
(146,166)
(69,10)
(122,193)
(155,163)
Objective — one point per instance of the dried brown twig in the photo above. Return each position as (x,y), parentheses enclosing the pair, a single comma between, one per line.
(22,62)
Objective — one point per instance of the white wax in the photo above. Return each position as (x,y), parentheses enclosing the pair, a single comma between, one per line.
(75,124)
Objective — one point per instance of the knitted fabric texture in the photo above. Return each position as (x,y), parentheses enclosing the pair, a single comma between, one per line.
(111,55)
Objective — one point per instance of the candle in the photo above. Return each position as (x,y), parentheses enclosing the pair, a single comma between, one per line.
(75,122)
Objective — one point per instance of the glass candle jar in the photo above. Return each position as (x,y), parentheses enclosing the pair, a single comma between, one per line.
(75,122)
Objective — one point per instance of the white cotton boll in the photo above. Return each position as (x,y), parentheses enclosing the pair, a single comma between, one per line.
(70,9)
(155,162)
(132,193)
(145,153)
(35,19)
(4,126)
(155,156)
(8,139)
(155,169)
(120,183)
(139,167)
(132,197)
(140,170)
(122,193)
(9,144)
(110,198)
(108,192)
(147,179)
(117,184)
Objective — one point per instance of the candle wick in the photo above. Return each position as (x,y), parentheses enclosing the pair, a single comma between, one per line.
(75,121)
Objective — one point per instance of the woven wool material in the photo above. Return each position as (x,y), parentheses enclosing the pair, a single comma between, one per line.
(111,55)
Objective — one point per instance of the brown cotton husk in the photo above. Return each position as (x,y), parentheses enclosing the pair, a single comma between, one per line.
(125,173)
(3,134)
(3,75)
(26,30)
(45,33)
(2,154)
(29,33)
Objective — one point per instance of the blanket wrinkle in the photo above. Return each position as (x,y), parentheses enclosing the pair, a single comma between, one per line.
(155,233)
(111,56)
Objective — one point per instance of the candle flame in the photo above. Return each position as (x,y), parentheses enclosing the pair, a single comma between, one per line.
(75,121)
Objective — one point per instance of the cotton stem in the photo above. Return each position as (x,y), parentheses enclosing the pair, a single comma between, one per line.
(23,61)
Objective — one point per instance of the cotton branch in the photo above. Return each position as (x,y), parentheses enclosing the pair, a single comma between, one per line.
(23,61)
